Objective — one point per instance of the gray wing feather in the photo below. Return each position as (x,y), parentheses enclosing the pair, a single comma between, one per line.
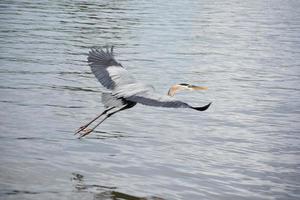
(101,57)
(107,70)
(150,98)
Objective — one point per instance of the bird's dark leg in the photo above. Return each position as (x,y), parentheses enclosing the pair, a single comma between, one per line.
(86,125)
(107,116)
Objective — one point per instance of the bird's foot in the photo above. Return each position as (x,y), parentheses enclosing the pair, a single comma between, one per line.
(81,128)
(85,132)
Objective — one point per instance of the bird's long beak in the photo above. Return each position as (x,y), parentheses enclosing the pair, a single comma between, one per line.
(193,87)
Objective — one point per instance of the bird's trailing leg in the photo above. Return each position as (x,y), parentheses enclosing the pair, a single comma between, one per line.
(86,125)
(88,131)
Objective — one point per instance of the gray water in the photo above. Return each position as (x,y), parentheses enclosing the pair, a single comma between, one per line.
(245,146)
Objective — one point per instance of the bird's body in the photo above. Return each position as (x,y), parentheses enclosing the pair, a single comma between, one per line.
(124,91)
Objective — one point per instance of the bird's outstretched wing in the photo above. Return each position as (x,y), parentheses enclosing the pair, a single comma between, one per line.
(150,98)
(107,70)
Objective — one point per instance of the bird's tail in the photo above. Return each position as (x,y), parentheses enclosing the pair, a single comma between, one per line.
(203,108)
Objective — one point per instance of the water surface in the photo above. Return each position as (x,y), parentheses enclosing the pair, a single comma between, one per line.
(246,146)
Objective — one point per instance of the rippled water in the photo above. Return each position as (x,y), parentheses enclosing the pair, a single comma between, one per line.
(246,146)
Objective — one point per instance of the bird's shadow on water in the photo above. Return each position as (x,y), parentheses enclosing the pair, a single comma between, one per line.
(104,192)
(102,135)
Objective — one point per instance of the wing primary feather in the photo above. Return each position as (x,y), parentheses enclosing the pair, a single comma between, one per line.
(100,57)
(202,108)
(107,70)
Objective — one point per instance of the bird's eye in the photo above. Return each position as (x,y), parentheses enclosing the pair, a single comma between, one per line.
(184,84)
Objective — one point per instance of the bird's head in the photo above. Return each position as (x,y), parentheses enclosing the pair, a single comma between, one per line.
(184,86)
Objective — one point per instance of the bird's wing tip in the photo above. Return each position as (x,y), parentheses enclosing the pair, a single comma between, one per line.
(101,55)
(202,108)
(108,48)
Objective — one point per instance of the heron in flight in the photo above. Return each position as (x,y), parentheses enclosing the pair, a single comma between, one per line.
(124,91)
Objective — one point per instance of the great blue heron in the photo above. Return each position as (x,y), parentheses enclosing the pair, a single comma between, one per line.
(125,92)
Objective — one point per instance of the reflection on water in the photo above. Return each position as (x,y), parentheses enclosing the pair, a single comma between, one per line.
(107,192)
(246,146)
(80,186)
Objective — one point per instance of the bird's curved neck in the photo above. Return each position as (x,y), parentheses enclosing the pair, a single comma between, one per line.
(173,89)
(183,86)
